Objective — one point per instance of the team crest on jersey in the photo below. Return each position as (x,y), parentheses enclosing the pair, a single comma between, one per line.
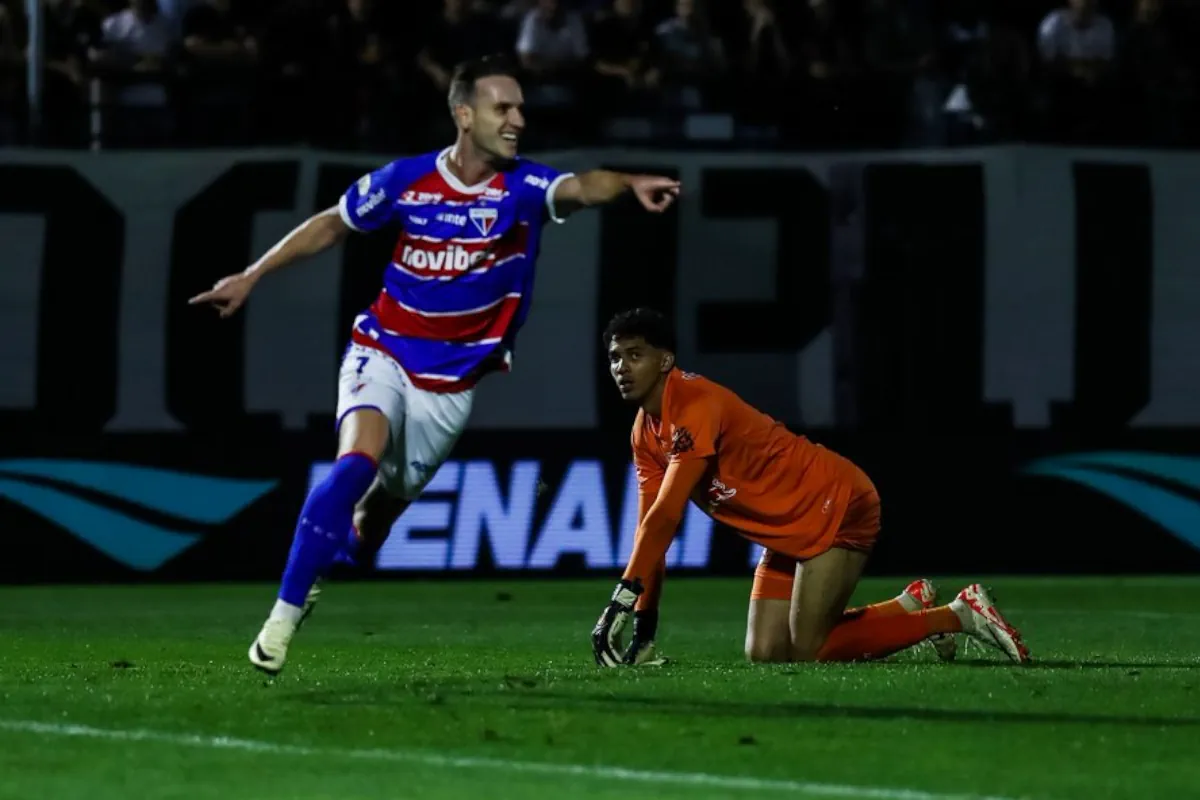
(688,376)
(484,219)
(681,442)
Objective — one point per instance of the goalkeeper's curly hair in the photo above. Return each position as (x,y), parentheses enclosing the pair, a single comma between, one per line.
(651,325)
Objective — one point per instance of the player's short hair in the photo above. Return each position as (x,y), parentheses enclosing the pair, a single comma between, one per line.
(467,73)
(651,325)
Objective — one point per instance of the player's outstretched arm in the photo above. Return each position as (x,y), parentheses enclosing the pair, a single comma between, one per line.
(662,521)
(317,233)
(600,186)
(650,548)
(642,645)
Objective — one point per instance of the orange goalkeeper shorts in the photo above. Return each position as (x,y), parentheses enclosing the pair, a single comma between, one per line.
(776,572)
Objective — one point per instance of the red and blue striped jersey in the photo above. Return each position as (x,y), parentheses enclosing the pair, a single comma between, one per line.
(461,279)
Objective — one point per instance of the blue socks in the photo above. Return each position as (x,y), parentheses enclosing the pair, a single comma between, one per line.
(325,523)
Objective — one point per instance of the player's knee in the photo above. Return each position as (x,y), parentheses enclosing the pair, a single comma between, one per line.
(364,430)
(806,647)
(766,650)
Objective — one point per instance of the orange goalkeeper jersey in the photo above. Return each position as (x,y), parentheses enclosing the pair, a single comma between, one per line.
(773,486)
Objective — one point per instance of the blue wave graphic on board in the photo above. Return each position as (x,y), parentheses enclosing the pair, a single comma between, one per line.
(139,545)
(1122,476)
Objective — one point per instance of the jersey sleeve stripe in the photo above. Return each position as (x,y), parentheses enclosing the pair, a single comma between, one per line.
(344,213)
(550,196)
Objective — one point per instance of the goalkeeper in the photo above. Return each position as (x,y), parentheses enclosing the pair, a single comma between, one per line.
(815,512)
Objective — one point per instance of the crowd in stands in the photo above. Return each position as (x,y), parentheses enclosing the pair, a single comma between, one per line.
(372,74)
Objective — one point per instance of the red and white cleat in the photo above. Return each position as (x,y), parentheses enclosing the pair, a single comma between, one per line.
(921,595)
(983,622)
(918,595)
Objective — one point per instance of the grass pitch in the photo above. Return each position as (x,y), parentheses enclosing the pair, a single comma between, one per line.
(449,690)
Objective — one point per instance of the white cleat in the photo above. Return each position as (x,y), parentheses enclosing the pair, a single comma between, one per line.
(921,595)
(269,650)
(983,622)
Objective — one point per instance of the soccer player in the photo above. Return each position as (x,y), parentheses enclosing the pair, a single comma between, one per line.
(454,297)
(815,512)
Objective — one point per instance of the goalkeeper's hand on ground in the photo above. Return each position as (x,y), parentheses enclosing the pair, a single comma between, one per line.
(642,651)
(606,636)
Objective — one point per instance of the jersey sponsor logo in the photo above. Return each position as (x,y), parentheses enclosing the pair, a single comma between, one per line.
(534,180)
(718,493)
(451,258)
(688,376)
(417,198)
(493,193)
(371,203)
(418,220)
(484,219)
(453,219)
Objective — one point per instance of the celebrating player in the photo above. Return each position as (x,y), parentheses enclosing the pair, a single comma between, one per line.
(815,512)
(456,293)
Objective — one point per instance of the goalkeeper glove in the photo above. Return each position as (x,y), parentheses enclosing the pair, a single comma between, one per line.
(642,652)
(606,636)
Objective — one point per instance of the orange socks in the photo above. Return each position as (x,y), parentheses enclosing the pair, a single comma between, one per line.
(888,608)
(879,630)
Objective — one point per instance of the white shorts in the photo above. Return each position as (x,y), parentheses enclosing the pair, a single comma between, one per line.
(425,425)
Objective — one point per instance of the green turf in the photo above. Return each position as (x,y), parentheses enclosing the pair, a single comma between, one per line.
(501,671)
